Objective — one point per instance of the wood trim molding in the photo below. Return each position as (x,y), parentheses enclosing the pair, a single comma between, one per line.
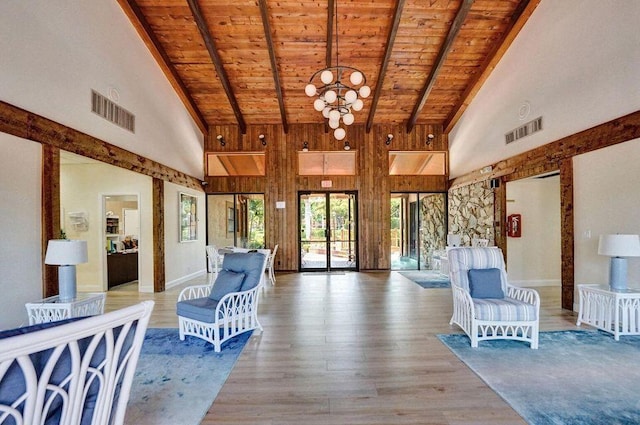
(50,220)
(518,20)
(567,235)
(135,15)
(31,126)
(159,277)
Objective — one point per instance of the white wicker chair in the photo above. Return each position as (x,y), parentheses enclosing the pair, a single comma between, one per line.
(271,260)
(213,258)
(216,321)
(74,372)
(516,316)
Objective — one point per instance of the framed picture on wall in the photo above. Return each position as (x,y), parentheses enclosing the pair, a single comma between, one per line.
(188,217)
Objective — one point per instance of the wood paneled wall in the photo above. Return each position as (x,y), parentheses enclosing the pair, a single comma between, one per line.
(372,182)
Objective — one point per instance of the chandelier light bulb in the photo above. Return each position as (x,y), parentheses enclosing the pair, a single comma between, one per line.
(334,115)
(356,78)
(351,96)
(330,96)
(364,91)
(339,133)
(326,77)
(357,105)
(348,118)
(333,124)
(310,90)
(325,112)
(318,105)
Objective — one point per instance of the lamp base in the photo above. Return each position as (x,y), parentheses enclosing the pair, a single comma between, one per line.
(618,273)
(67,283)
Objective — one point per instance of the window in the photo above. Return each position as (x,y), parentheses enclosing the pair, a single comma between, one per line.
(334,163)
(417,163)
(236,164)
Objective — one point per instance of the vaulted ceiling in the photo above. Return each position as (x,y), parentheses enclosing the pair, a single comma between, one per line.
(244,62)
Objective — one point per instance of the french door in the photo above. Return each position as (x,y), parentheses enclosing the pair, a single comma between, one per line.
(328,231)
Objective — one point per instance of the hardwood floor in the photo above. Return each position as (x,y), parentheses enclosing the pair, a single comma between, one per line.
(357,348)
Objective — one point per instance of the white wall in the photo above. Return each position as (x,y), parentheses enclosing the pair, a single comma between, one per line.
(183,260)
(82,187)
(606,201)
(535,258)
(576,62)
(20,213)
(55,51)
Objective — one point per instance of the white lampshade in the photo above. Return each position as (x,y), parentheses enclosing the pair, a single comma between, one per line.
(326,77)
(63,252)
(333,124)
(339,133)
(330,96)
(619,245)
(310,90)
(325,112)
(357,105)
(364,91)
(356,78)
(334,115)
(350,96)
(348,118)
(318,105)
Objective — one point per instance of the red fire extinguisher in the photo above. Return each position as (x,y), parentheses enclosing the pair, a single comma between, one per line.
(514,225)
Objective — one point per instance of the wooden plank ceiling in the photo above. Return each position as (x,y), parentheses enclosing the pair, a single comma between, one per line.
(246,62)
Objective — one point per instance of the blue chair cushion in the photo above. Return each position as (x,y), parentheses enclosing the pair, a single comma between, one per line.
(226,282)
(506,309)
(200,309)
(485,283)
(249,263)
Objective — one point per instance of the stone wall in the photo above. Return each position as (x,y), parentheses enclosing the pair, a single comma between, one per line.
(433,227)
(471,212)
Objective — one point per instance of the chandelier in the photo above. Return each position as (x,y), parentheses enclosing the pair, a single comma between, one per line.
(335,98)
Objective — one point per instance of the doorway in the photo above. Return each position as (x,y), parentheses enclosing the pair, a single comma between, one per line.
(328,231)
(121,236)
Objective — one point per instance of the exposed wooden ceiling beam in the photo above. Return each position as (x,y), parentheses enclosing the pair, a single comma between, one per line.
(274,65)
(149,38)
(397,14)
(209,42)
(331,8)
(518,19)
(465,6)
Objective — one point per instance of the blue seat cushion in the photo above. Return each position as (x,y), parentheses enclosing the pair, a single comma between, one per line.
(226,282)
(485,283)
(249,263)
(200,309)
(505,309)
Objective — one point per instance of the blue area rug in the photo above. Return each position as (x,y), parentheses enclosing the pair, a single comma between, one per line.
(575,377)
(177,381)
(428,278)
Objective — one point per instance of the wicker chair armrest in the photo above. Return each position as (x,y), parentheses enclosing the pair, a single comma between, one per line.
(460,296)
(234,302)
(527,295)
(195,291)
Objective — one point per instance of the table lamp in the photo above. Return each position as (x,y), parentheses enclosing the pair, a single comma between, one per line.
(618,247)
(66,254)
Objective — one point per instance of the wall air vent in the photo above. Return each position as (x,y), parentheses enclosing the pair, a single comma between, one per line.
(110,111)
(524,130)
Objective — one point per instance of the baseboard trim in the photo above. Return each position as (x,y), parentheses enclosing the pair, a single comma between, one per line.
(183,279)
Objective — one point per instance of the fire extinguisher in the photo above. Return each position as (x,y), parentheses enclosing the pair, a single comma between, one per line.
(514,225)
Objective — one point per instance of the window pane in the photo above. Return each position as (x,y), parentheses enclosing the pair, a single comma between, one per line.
(333,163)
(236,164)
(416,163)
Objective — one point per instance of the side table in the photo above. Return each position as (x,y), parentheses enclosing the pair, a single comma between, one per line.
(613,311)
(52,309)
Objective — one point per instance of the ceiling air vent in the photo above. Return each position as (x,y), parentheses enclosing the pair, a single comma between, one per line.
(110,111)
(524,130)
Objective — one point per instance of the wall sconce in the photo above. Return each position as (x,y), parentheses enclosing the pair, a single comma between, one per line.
(221,140)
(430,138)
(305,147)
(389,139)
(262,140)
(347,147)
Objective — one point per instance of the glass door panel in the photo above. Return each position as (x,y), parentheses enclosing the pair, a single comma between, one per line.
(328,232)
